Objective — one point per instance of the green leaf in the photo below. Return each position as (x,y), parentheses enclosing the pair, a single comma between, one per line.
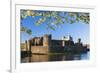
(29,31)
(26,30)
(23,29)
(51,27)
(72,21)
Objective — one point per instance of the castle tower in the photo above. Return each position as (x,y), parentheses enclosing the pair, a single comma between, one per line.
(27,43)
(79,40)
(63,43)
(67,38)
(47,40)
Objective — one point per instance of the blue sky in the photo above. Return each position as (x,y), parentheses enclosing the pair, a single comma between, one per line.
(76,30)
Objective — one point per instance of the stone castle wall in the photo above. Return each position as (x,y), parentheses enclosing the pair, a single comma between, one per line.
(45,44)
(39,49)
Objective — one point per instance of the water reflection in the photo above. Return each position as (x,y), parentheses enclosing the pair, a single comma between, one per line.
(57,57)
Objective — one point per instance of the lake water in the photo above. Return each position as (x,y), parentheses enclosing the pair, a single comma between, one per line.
(46,58)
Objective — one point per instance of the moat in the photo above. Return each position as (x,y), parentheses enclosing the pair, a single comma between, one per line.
(55,57)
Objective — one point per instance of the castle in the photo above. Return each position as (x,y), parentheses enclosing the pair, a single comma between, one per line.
(45,44)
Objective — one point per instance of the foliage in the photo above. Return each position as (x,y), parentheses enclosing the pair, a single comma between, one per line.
(24,29)
(56,18)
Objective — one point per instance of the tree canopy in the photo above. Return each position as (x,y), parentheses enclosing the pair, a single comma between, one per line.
(55,18)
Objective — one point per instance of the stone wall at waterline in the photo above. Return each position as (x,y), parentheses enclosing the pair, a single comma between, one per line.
(39,49)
